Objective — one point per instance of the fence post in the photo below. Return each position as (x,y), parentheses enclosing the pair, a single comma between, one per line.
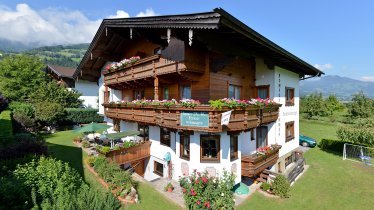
(344,152)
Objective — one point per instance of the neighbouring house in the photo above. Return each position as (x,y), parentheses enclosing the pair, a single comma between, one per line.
(64,77)
(189,57)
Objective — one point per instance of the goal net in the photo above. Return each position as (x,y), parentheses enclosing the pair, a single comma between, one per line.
(358,153)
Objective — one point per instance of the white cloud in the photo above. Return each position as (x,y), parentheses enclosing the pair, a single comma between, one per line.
(324,67)
(148,12)
(120,14)
(367,78)
(51,26)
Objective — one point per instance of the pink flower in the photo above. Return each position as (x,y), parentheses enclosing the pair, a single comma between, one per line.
(205,180)
(196,181)
(193,193)
(198,202)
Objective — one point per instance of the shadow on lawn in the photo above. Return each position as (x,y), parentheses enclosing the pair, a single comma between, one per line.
(70,154)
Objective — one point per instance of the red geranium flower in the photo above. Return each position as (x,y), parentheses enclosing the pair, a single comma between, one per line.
(198,202)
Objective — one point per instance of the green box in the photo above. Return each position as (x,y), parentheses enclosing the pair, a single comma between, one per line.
(195,119)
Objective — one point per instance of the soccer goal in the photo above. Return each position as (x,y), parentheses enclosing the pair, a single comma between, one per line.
(358,153)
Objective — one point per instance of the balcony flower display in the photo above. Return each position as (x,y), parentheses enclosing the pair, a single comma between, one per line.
(122,64)
(235,103)
(267,150)
(189,103)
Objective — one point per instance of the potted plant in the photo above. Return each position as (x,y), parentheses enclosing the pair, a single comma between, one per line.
(169,187)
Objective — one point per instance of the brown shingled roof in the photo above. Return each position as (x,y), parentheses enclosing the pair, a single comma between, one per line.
(62,71)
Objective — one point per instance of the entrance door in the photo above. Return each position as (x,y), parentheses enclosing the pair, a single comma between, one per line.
(139,167)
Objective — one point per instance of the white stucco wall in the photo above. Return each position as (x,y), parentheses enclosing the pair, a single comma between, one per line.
(89,91)
(264,76)
(287,113)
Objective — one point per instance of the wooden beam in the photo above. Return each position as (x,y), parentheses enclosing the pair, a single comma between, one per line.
(156,89)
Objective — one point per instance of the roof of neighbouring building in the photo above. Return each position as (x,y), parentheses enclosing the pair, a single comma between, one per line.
(61,71)
(113,35)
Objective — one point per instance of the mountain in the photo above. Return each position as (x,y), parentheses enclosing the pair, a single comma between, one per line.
(68,56)
(14,46)
(342,87)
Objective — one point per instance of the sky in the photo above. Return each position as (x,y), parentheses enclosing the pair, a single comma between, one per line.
(336,36)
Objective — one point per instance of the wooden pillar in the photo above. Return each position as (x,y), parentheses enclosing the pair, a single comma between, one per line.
(156,88)
(106,94)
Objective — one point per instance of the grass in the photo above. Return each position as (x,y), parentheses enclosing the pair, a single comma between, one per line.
(62,147)
(330,182)
(6,127)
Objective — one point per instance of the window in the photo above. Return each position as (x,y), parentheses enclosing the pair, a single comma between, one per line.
(166,93)
(158,168)
(252,134)
(290,131)
(234,91)
(185,146)
(138,94)
(290,93)
(288,161)
(165,137)
(144,131)
(209,148)
(263,91)
(262,135)
(186,92)
(117,125)
(233,147)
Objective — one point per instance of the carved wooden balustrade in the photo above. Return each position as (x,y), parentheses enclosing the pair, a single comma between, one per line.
(200,118)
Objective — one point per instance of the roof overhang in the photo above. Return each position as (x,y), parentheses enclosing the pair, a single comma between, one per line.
(114,33)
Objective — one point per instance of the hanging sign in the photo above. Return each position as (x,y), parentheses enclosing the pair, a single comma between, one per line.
(225,118)
(194,119)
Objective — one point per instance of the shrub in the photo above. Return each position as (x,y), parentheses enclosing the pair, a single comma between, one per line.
(48,112)
(331,145)
(204,192)
(358,135)
(85,144)
(3,103)
(22,149)
(18,137)
(82,115)
(77,139)
(265,186)
(6,128)
(91,160)
(102,149)
(54,185)
(14,194)
(281,186)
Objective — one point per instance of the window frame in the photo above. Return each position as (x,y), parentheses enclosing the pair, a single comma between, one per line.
(290,125)
(182,139)
(145,136)
(234,139)
(236,87)
(291,101)
(266,87)
(217,139)
(181,91)
(155,171)
(163,133)
(258,133)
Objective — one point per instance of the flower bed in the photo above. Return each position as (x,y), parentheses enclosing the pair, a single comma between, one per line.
(112,177)
(204,192)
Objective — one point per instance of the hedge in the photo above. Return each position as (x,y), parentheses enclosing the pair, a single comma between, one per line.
(82,115)
(332,145)
(6,127)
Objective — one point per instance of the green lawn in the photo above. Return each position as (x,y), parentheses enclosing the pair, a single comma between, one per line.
(61,147)
(330,182)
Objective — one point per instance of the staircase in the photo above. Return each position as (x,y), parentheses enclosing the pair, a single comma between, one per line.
(263,177)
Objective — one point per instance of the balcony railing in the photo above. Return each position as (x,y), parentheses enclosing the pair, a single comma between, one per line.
(200,118)
(144,68)
(127,155)
(253,165)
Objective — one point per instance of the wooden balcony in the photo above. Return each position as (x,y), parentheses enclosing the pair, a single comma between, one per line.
(148,67)
(128,155)
(200,118)
(253,165)
(269,114)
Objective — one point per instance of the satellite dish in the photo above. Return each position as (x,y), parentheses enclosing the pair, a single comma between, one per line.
(167,157)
